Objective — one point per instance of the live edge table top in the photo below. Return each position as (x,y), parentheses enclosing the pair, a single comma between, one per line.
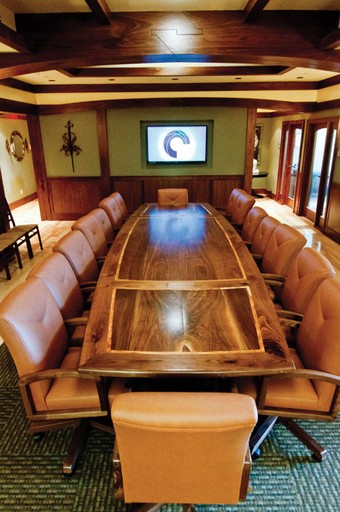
(180,295)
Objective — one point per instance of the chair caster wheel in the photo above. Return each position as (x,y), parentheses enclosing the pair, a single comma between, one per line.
(256,454)
(38,437)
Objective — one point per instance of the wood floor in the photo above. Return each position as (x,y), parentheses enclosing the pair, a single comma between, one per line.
(51,231)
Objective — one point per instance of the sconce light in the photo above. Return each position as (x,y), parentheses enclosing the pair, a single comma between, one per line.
(17,146)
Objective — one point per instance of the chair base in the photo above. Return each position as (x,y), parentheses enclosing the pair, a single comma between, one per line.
(78,438)
(319,452)
(265,425)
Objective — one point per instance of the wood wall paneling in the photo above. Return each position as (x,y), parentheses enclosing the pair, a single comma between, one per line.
(143,189)
(71,198)
(332,227)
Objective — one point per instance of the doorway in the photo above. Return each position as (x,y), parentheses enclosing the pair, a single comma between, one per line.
(289,167)
(318,165)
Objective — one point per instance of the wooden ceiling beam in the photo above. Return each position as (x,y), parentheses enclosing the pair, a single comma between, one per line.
(253,9)
(159,71)
(14,40)
(101,10)
(331,41)
(14,64)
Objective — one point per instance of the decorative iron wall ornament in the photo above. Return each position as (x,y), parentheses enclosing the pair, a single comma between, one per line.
(69,147)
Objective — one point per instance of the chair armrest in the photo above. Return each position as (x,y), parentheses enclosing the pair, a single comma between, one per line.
(53,373)
(76,321)
(289,315)
(306,373)
(88,286)
(275,278)
(257,257)
(301,373)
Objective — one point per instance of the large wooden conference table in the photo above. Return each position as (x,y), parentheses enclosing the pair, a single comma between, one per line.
(180,295)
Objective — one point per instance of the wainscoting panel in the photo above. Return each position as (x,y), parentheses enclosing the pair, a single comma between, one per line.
(70,198)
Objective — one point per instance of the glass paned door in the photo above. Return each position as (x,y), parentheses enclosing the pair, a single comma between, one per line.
(316,167)
(321,141)
(296,149)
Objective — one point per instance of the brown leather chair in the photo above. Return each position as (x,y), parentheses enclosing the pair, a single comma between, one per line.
(312,390)
(54,393)
(251,223)
(76,249)
(261,237)
(172,197)
(104,220)
(281,250)
(183,447)
(110,206)
(121,204)
(293,293)
(239,204)
(57,274)
(92,230)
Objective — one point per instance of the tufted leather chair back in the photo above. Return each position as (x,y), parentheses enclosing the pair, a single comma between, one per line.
(263,233)
(178,447)
(93,232)
(57,274)
(76,249)
(318,337)
(110,206)
(239,204)
(172,197)
(104,220)
(251,223)
(281,250)
(121,204)
(34,332)
(306,273)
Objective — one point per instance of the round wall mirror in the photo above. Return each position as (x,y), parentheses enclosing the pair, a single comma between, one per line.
(18,146)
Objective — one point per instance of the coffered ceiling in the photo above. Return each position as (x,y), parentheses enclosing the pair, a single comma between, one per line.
(275,55)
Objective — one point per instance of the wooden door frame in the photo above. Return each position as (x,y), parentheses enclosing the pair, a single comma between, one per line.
(281,179)
(307,159)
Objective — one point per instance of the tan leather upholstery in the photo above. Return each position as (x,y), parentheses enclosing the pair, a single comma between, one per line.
(34,332)
(251,223)
(239,204)
(262,234)
(312,390)
(110,206)
(172,197)
(104,220)
(305,274)
(76,249)
(121,204)
(281,250)
(57,274)
(93,231)
(178,447)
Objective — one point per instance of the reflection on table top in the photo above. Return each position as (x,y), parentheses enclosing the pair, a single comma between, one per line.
(179,294)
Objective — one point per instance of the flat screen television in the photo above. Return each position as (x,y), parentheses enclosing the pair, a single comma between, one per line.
(176,143)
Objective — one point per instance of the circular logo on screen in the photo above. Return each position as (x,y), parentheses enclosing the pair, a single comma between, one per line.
(171,140)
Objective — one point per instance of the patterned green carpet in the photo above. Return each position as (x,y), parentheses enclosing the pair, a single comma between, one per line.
(285,478)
